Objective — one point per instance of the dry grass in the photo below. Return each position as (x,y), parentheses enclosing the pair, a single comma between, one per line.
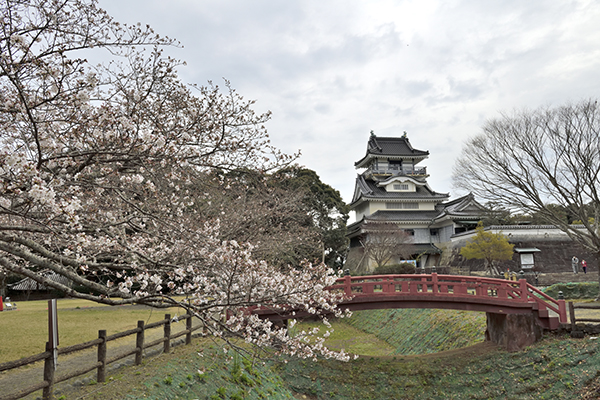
(24,331)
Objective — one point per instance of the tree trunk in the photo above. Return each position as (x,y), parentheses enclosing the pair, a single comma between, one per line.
(598,267)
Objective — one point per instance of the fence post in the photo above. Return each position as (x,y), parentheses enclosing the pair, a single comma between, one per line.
(102,356)
(188,326)
(48,373)
(167,347)
(139,343)
(562,312)
(572,316)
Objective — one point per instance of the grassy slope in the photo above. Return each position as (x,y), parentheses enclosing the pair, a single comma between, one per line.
(199,371)
(413,331)
(559,368)
(553,369)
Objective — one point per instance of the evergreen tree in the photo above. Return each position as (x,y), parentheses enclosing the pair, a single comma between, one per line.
(488,246)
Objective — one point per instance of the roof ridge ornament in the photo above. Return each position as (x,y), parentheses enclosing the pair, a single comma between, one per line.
(373,142)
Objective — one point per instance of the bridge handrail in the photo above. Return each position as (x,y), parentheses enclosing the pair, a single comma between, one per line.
(558,306)
(438,285)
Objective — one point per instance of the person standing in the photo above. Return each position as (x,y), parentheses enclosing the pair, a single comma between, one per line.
(575,264)
(584,266)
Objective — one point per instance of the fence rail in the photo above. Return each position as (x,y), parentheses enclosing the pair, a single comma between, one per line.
(574,320)
(49,380)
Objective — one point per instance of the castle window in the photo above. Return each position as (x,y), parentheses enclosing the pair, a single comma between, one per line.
(400,186)
(395,164)
(402,206)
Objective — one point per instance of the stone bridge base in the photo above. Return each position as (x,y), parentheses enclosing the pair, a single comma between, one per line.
(513,332)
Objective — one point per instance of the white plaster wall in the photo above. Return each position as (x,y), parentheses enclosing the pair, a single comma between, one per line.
(446,232)
(422,235)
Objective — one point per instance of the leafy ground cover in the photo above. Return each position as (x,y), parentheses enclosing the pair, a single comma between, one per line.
(557,368)
(199,371)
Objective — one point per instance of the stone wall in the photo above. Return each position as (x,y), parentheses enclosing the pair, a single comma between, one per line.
(513,332)
(556,250)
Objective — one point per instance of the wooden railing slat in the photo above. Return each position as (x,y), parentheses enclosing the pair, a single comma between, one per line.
(23,361)
(24,392)
(50,380)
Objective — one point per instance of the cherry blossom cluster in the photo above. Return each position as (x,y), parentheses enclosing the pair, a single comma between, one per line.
(101,172)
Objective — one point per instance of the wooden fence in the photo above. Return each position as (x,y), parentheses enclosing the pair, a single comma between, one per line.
(49,380)
(581,306)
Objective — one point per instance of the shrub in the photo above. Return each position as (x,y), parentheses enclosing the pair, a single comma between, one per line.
(402,268)
(574,290)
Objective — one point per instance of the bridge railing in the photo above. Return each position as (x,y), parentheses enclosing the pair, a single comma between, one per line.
(450,286)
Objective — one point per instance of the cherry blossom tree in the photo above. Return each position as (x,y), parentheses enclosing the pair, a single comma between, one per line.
(99,169)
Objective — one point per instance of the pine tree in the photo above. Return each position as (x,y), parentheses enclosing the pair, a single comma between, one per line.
(488,246)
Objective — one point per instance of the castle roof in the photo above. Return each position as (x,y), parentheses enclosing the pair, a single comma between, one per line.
(368,189)
(463,207)
(391,148)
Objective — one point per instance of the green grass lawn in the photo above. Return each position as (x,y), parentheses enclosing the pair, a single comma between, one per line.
(350,339)
(24,331)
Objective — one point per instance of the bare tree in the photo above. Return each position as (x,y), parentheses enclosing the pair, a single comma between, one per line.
(254,207)
(534,160)
(384,242)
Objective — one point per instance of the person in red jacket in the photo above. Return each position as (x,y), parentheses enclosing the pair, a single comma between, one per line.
(584,266)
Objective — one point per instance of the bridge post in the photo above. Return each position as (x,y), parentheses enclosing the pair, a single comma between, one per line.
(523,289)
(562,311)
(347,285)
(434,282)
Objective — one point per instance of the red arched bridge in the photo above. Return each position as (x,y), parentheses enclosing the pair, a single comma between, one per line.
(493,296)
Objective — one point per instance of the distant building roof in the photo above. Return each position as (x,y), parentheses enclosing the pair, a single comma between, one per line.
(29,284)
(465,207)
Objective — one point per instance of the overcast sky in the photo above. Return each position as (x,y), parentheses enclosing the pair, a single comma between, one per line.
(332,71)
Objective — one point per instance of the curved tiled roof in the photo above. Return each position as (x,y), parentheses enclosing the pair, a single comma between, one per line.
(369,189)
(463,207)
(29,284)
(391,147)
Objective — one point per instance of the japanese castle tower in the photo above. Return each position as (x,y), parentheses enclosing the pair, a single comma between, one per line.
(393,189)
